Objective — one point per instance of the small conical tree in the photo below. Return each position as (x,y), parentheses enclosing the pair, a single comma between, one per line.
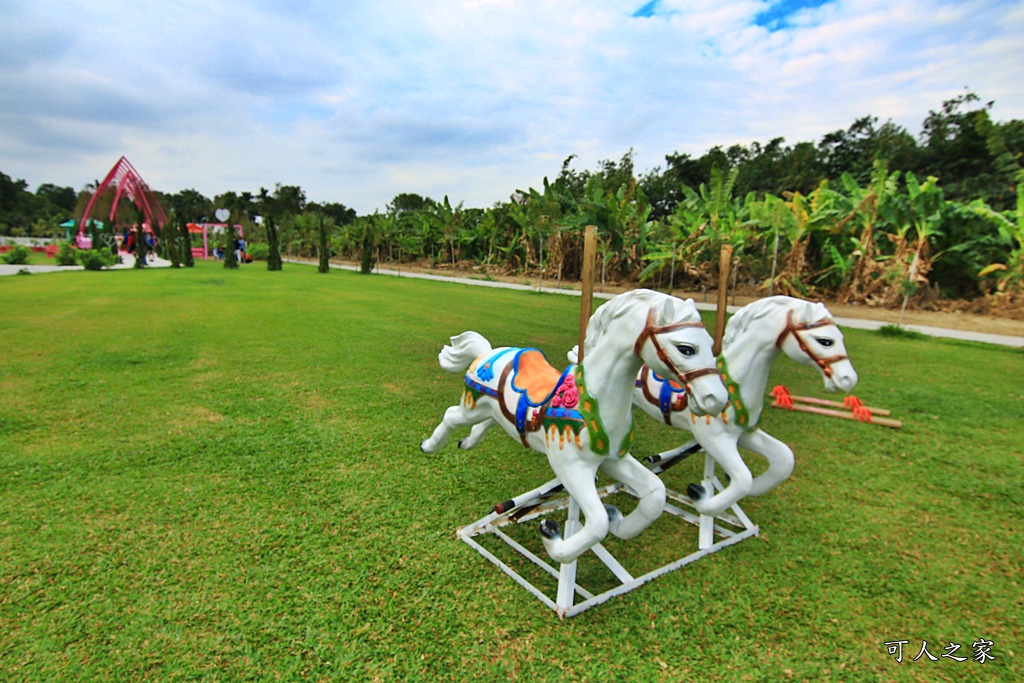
(140,246)
(325,254)
(230,239)
(273,242)
(185,244)
(94,235)
(368,261)
(172,241)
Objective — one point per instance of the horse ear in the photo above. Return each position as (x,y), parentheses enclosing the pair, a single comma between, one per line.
(807,312)
(667,315)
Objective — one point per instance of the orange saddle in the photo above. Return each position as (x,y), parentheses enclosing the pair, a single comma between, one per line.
(534,376)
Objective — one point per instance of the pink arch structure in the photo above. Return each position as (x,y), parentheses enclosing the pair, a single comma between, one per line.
(127,183)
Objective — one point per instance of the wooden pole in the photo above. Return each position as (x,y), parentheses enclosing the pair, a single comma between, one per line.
(883,412)
(725,260)
(587,298)
(844,415)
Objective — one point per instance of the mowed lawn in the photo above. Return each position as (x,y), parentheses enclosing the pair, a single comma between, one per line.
(215,475)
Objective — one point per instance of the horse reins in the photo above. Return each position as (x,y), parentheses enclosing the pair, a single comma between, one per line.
(652,330)
(824,363)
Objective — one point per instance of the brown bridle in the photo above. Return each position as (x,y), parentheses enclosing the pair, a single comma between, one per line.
(652,330)
(824,363)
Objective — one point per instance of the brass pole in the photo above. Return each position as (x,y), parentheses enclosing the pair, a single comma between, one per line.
(725,260)
(587,277)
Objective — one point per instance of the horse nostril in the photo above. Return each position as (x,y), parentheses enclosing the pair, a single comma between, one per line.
(713,402)
(847,383)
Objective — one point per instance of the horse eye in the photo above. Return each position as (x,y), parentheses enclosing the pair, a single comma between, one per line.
(686,349)
(824,341)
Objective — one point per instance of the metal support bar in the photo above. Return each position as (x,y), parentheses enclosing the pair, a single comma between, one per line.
(532,505)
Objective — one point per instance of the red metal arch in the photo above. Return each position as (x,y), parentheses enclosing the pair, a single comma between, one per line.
(127,183)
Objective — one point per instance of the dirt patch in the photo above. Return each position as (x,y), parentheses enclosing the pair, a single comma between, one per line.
(975,316)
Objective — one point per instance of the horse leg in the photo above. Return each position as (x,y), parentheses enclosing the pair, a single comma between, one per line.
(577,475)
(454,418)
(477,434)
(728,458)
(647,486)
(779,456)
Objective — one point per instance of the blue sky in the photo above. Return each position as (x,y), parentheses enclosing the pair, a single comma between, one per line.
(358,101)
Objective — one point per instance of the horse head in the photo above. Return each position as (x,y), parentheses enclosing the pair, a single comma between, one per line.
(675,344)
(810,337)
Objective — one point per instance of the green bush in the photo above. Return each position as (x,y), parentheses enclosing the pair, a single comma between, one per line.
(96,259)
(65,255)
(900,332)
(258,251)
(18,256)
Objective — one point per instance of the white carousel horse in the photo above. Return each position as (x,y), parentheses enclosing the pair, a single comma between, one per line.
(582,418)
(753,339)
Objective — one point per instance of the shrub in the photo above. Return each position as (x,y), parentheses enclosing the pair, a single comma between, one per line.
(258,251)
(900,332)
(65,255)
(18,256)
(96,259)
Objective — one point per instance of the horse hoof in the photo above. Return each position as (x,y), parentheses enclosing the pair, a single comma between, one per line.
(613,513)
(422,447)
(462,444)
(695,491)
(550,529)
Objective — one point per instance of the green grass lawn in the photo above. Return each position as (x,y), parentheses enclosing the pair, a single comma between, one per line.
(215,475)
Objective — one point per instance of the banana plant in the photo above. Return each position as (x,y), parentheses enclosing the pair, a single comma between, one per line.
(917,217)
(1009,275)
(813,213)
(706,218)
(776,220)
(541,217)
(862,206)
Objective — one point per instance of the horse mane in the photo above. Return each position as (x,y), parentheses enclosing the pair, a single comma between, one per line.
(629,302)
(804,312)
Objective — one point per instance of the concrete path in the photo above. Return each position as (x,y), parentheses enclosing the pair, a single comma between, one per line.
(127,261)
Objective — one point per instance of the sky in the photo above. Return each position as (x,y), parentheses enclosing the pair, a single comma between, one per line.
(357,101)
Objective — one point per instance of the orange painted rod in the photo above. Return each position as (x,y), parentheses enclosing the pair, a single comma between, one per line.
(881,421)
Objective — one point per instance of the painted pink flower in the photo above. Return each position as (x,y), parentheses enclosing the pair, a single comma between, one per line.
(567,396)
(570,397)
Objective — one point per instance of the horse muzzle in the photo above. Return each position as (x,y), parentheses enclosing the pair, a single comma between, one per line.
(842,378)
(707,395)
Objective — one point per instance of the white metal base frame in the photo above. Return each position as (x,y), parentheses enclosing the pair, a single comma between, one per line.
(731,528)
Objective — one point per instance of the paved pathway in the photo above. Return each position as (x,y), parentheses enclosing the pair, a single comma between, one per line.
(128,261)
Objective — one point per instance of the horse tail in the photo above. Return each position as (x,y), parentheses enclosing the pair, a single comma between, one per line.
(463,350)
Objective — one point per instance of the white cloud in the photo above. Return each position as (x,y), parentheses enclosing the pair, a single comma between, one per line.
(359,101)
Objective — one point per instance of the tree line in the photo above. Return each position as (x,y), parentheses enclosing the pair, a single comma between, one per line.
(870,213)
